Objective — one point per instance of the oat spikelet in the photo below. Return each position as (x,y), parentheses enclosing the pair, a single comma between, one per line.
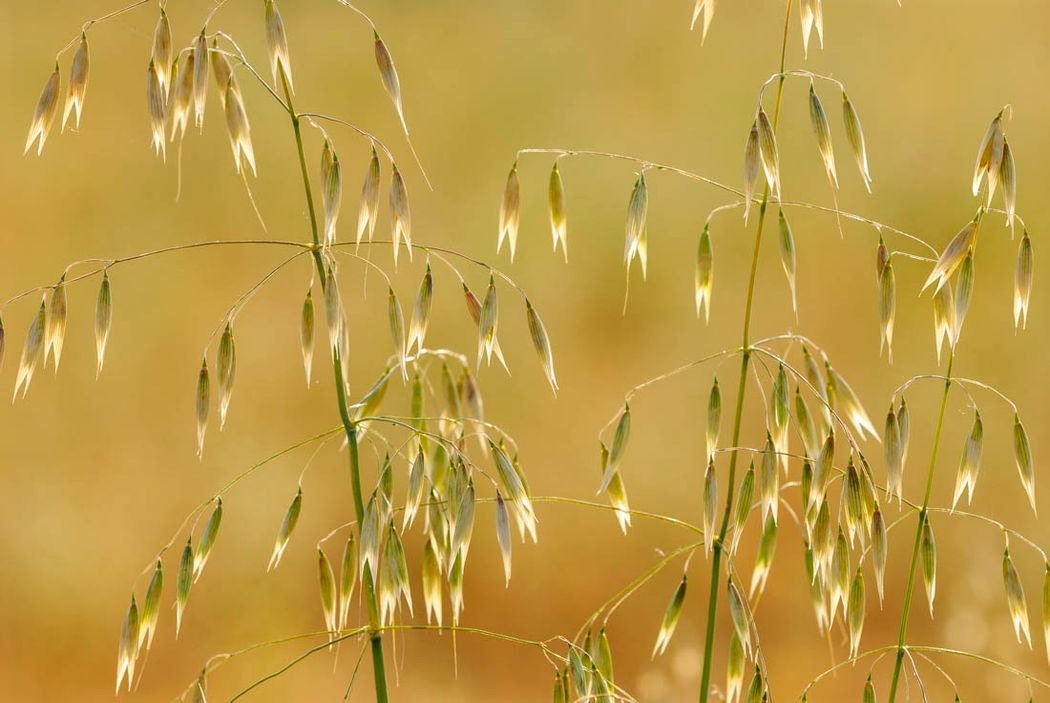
(227,366)
(31,351)
(879,550)
(707,9)
(743,506)
(944,318)
(151,607)
(347,578)
(787,256)
(710,504)
(503,535)
(1023,281)
(767,149)
(756,689)
(400,215)
(616,493)
(670,619)
(128,649)
(207,540)
(764,559)
(161,54)
(703,281)
(55,331)
(182,93)
(855,612)
(203,405)
(239,131)
(734,670)
(541,343)
(396,322)
(183,581)
(893,451)
(1015,600)
(556,199)
(822,129)
(488,323)
(970,463)
(714,418)
(291,517)
(388,74)
(326,582)
(928,554)
(510,212)
(78,78)
(1008,179)
(103,320)
(200,78)
(752,166)
(368,210)
(635,242)
(417,329)
(156,102)
(855,134)
(986,153)
(331,194)
(619,445)
(963,294)
(277,45)
(44,114)
(393,578)
(432,583)
(849,404)
(839,574)
(1023,458)
(306,333)
(739,618)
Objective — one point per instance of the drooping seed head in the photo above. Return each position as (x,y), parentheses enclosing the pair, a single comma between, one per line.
(207,540)
(743,506)
(767,149)
(855,134)
(556,201)
(277,46)
(331,193)
(78,79)
(970,463)
(55,331)
(400,214)
(128,648)
(541,343)
(752,167)
(326,583)
(1023,281)
(156,102)
(150,611)
(368,210)
(510,212)
(1015,600)
(161,54)
(887,294)
(240,132)
(182,93)
(637,210)
(739,618)
(734,669)
(200,78)
(710,505)
(855,612)
(417,329)
(879,550)
(203,405)
(1023,458)
(347,578)
(388,74)
(953,255)
(714,417)
(617,447)
(44,114)
(227,368)
(670,619)
(1008,179)
(707,9)
(183,581)
(288,523)
(31,350)
(703,281)
(503,535)
(787,256)
(764,558)
(928,559)
(819,119)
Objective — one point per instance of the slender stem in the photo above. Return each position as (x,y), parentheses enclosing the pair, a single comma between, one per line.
(349,426)
(745,358)
(923,517)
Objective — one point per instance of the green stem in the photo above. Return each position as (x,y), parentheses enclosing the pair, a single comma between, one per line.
(349,426)
(923,517)
(738,414)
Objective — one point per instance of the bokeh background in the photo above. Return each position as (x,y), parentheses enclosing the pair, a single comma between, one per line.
(98,474)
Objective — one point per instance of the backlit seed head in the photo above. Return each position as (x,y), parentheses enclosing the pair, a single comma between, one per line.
(769,480)
(710,505)
(432,583)
(970,463)
(855,518)
(78,78)
(670,619)
(637,209)
(203,405)
(400,214)
(855,612)
(752,167)
(986,154)
(31,350)
(819,119)
(806,426)
(855,134)
(556,201)
(734,669)
(839,575)
(207,540)
(756,689)
(739,618)
(200,78)
(347,578)
(879,550)
(928,559)
(331,195)
(953,255)
(227,367)
(887,294)
(703,281)
(277,45)
(417,330)
(326,582)
(617,448)
(44,114)
(944,319)
(128,648)
(488,324)
(503,535)
(156,102)
(811,13)
(394,587)
(510,212)
(764,558)
(239,131)
(150,611)
(1023,458)
(183,581)
(182,95)
(55,331)
(291,518)
(1023,281)
(848,404)
(541,343)
(714,417)
(707,9)
(767,148)
(368,210)
(869,692)
(388,74)
(1008,179)
(616,493)
(1015,600)
(161,54)
(893,452)
(787,256)
(306,333)
(817,592)
(743,506)
(963,293)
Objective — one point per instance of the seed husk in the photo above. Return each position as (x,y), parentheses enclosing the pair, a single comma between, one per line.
(887,292)
(31,350)
(855,134)
(670,619)
(616,493)
(752,167)
(878,550)
(306,333)
(78,78)
(1023,458)
(787,256)
(368,210)
(183,581)
(291,517)
(637,210)
(128,649)
(739,618)
(1008,179)
(963,293)
(432,582)
(767,148)
(855,612)
(703,282)
(510,212)
(541,343)
(1015,600)
(617,448)
(488,322)
(182,94)
(710,505)
(806,427)
(417,330)
(326,582)
(503,535)
(203,405)
(400,214)
(764,558)
(207,540)
(396,320)
(1023,281)
(822,129)
(928,552)
(970,463)
(277,44)
(984,152)
(55,330)
(348,578)
(239,130)
(44,114)
(156,103)
(331,195)
(734,669)
(151,607)
(227,366)
(388,74)
(743,505)
(707,9)
(714,417)
(200,78)
(953,255)
(161,54)
(556,198)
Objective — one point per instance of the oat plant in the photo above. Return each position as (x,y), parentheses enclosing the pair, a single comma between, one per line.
(817,469)
(452,467)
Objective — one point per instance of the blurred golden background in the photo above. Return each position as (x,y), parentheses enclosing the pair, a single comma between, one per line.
(98,474)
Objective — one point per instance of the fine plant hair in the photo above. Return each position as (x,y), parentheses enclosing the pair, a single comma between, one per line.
(817,456)
(815,471)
